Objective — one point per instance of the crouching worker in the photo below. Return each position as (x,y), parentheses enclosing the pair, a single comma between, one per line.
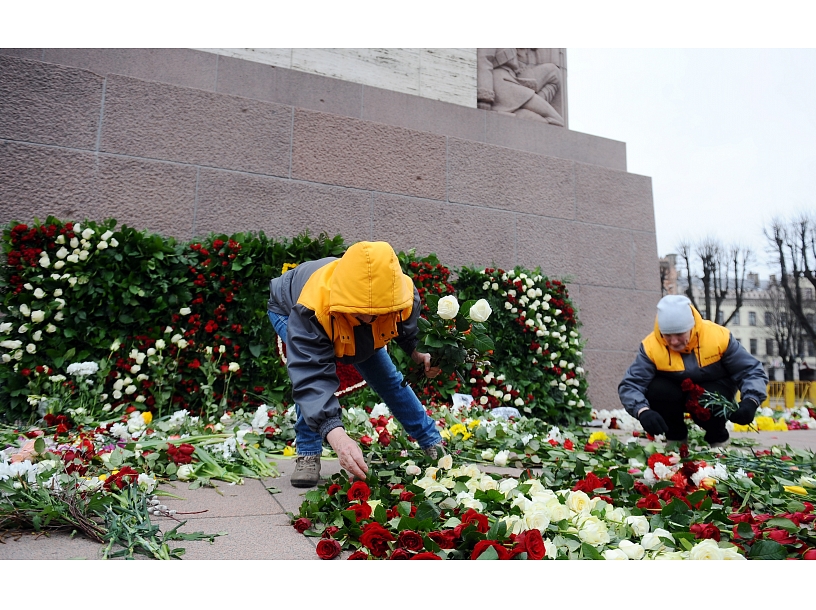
(684,346)
(347,310)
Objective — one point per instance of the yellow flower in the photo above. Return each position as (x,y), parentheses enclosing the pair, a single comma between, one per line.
(765,423)
(288,451)
(466,436)
(745,428)
(474,423)
(781,425)
(445,434)
(458,429)
(597,436)
(287,267)
(102,477)
(147,416)
(115,472)
(795,489)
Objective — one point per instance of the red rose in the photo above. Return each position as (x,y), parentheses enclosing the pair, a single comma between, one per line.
(809,554)
(446,539)
(532,543)
(591,482)
(361,511)
(302,524)
(483,545)
(328,548)
(421,556)
(703,531)
(359,491)
(384,438)
(366,440)
(568,445)
(781,536)
(330,531)
(410,540)
(592,447)
(650,502)
(406,496)
(333,489)
(400,554)
(376,538)
(642,488)
(471,516)
(358,555)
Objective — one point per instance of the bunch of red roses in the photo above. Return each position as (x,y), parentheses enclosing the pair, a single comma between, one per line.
(695,392)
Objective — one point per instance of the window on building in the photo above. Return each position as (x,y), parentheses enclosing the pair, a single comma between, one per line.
(735,321)
(768,318)
(753,347)
(811,349)
(769,347)
(808,293)
(751,318)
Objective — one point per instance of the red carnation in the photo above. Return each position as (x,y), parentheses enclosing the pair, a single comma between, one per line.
(376,538)
(359,491)
(410,540)
(328,548)
(302,524)
(659,458)
(483,545)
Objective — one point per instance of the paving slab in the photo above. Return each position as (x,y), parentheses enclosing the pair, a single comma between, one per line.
(249,499)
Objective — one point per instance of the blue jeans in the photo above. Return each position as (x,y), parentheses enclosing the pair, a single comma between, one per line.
(384,378)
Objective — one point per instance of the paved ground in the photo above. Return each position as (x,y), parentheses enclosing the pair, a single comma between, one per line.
(255,519)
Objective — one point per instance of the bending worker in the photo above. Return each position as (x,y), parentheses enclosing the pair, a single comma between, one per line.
(347,310)
(684,346)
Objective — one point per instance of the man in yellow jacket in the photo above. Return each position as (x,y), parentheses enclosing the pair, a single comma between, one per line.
(347,310)
(684,346)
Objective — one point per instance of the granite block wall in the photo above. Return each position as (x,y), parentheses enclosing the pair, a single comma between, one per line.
(184,143)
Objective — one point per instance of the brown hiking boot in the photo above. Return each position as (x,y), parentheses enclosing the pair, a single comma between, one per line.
(307,471)
(435,451)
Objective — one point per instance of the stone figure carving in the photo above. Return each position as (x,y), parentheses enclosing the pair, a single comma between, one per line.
(519,82)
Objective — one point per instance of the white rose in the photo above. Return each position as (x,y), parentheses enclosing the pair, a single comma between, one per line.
(182,343)
(5,327)
(60,302)
(106,235)
(151,351)
(37,316)
(59,264)
(39,293)
(234,367)
(706,549)
(579,502)
(83,255)
(58,317)
(731,554)
(31,348)
(501,458)
(130,389)
(160,344)
(448,307)
(185,311)
(74,243)
(62,252)
(114,243)
(24,309)
(615,555)
(87,233)
(175,338)
(412,470)
(45,262)
(480,311)
(37,336)
(593,531)
(507,485)
(102,245)
(652,540)
(73,258)
(487,454)
(185,472)
(445,462)
(537,519)
(632,549)
(11,344)
(135,369)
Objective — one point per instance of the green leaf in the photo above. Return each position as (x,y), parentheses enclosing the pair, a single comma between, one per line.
(379,514)
(590,552)
(427,510)
(255,349)
(626,480)
(483,343)
(745,531)
(125,319)
(489,554)
(39,445)
(767,549)
(783,523)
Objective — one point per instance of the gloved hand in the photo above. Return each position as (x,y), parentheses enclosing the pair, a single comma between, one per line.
(745,414)
(652,422)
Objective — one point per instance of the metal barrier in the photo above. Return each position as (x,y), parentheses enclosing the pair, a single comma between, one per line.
(789,394)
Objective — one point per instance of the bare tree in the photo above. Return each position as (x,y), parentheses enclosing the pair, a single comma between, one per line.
(784,326)
(719,271)
(794,247)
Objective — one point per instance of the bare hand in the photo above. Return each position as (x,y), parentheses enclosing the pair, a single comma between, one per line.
(424,359)
(348,452)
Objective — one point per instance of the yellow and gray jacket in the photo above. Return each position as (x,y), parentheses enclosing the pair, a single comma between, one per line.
(320,297)
(712,354)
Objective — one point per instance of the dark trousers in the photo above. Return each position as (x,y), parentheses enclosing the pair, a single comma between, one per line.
(666,397)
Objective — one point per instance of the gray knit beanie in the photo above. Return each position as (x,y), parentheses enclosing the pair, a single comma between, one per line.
(674,314)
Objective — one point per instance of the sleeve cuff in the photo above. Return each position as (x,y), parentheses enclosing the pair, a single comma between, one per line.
(329,425)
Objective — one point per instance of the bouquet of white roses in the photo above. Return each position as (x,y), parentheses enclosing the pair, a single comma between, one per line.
(453,339)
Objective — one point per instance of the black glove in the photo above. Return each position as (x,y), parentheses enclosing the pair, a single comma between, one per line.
(745,414)
(652,422)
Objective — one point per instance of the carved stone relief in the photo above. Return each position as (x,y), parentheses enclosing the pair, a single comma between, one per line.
(526,83)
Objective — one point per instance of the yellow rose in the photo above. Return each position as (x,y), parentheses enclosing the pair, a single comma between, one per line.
(288,451)
(474,423)
(795,489)
(445,434)
(147,416)
(597,436)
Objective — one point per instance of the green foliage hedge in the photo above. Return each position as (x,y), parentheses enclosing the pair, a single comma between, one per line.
(71,292)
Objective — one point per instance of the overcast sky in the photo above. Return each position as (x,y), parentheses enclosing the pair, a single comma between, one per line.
(727,135)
